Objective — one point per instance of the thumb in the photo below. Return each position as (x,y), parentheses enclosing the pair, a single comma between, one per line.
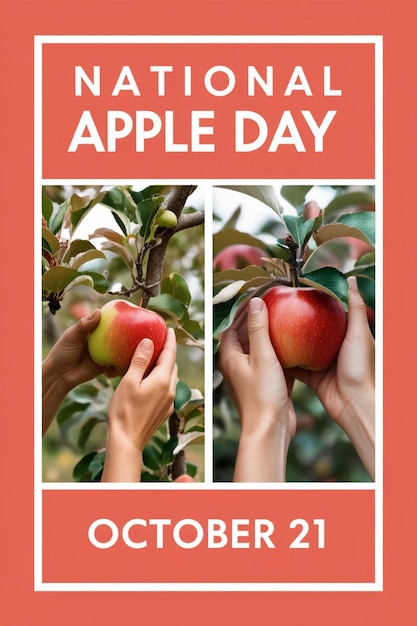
(77,334)
(141,358)
(258,330)
(357,316)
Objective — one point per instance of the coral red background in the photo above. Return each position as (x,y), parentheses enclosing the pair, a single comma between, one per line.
(21,20)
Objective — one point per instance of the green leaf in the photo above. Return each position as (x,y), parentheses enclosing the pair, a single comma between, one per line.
(146,212)
(193,328)
(169,447)
(328,279)
(230,237)
(87,429)
(57,217)
(47,207)
(147,477)
(279,251)
(349,199)
(295,194)
(192,469)
(76,247)
(364,221)
(177,287)
(84,257)
(182,395)
(223,313)
(263,193)
(147,193)
(244,274)
(121,251)
(57,278)
(122,222)
(90,467)
(164,303)
(69,409)
(299,228)
(51,240)
(152,457)
(193,420)
(116,199)
(96,466)
(107,233)
(81,205)
(100,283)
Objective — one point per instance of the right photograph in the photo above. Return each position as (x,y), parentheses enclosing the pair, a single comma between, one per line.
(294,333)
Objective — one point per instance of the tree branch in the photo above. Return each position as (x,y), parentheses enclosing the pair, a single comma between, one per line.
(189,220)
(175,202)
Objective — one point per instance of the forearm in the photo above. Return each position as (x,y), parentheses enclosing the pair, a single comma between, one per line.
(54,390)
(123,463)
(359,425)
(262,455)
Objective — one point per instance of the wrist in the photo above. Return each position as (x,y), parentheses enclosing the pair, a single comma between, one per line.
(123,461)
(359,425)
(54,391)
(262,453)
(51,376)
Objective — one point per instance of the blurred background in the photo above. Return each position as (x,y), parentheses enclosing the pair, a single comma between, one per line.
(62,445)
(320,451)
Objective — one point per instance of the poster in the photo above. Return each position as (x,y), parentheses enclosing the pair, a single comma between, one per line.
(338,104)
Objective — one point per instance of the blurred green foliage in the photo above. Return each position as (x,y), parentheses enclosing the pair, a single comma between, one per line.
(74,445)
(320,450)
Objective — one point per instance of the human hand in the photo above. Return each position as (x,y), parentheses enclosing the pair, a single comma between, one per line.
(69,358)
(347,387)
(138,408)
(261,392)
(69,364)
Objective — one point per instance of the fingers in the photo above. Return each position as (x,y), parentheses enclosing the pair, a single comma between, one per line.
(141,359)
(168,355)
(260,347)
(75,336)
(357,316)
(77,333)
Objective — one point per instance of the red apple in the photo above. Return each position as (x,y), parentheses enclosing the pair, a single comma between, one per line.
(122,327)
(237,256)
(306,326)
(184,478)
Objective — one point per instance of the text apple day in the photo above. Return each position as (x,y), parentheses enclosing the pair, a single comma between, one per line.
(289,128)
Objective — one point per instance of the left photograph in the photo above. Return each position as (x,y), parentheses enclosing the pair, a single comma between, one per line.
(123,333)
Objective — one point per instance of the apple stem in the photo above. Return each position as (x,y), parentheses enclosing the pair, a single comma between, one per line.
(295,263)
(294,277)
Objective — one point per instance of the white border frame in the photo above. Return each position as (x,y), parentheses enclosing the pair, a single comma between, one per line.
(377,487)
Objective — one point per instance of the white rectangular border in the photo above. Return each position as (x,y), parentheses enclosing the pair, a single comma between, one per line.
(375,40)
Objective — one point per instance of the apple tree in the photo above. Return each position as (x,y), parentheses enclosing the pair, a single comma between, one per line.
(311,236)
(145,245)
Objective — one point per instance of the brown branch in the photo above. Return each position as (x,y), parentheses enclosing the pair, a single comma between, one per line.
(175,202)
(189,221)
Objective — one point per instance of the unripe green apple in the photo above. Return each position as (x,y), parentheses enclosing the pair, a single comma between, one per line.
(121,328)
(167,218)
(306,326)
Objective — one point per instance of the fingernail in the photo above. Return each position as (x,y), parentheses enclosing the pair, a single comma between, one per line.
(91,315)
(256,305)
(353,283)
(146,344)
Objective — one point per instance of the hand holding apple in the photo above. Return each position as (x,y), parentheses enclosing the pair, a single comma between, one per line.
(306,326)
(122,327)
(347,387)
(261,392)
(69,364)
(138,407)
